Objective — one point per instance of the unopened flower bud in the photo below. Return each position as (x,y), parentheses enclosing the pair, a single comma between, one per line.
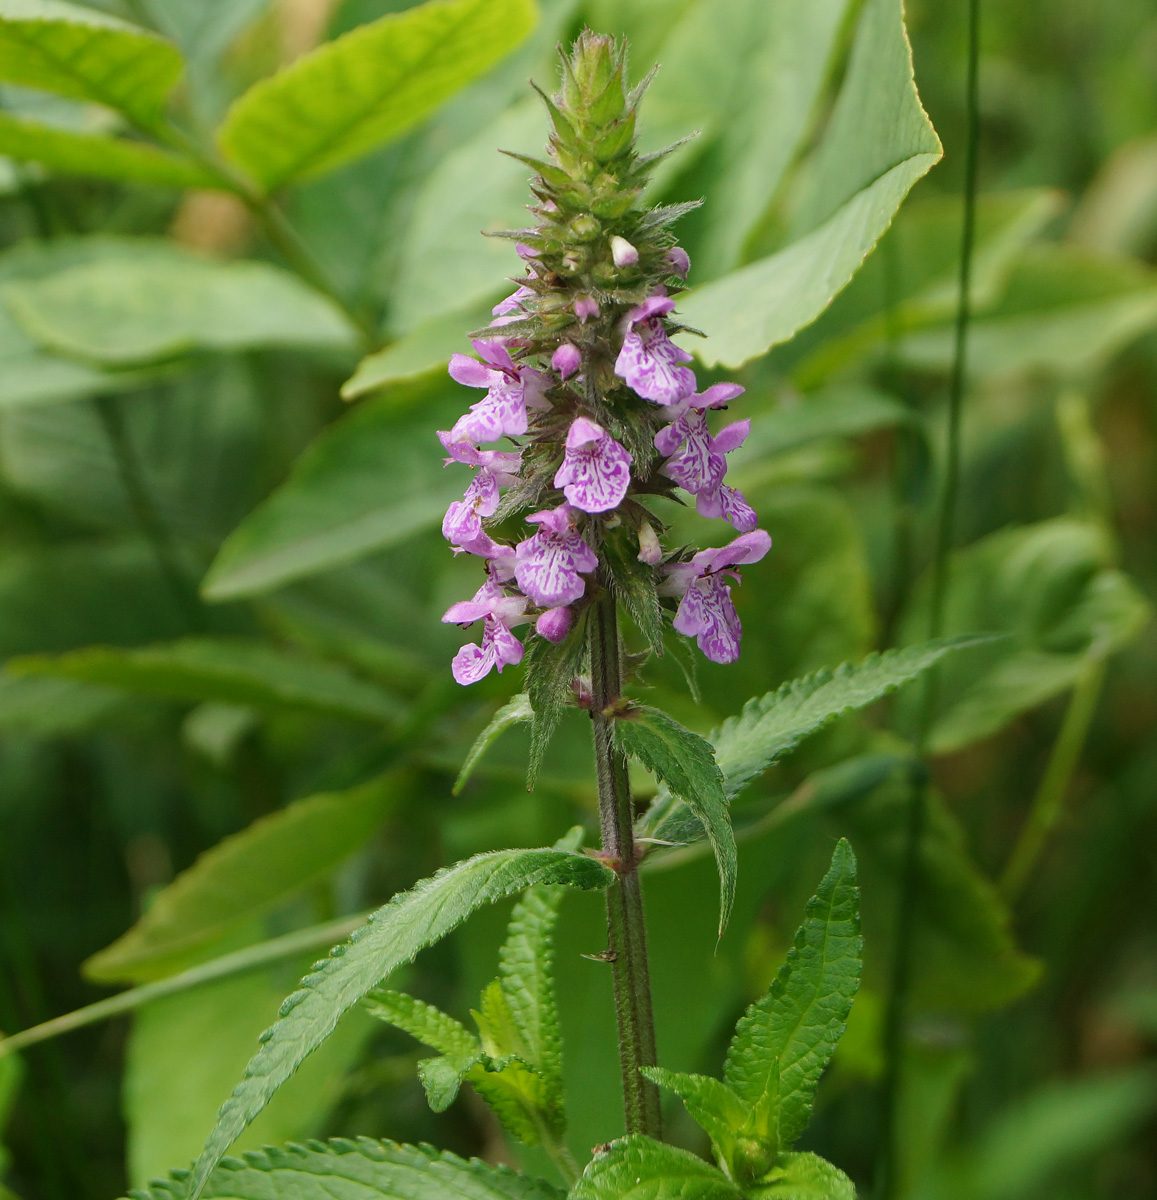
(586,307)
(624,254)
(650,551)
(680,260)
(567,359)
(585,228)
(554,624)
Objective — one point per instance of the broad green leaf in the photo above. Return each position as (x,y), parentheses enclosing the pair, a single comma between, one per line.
(370,480)
(803,1177)
(232,670)
(370,85)
(358,1170)
(77,51)
(637,1168)
(167,1124)
(243,876)
(1052,589)
(877,144)
(392,936)
(104,157)
(169,302)
(48,707)
(515,712)
(716,1109)
(519,1095)
(785,1040)
(686,764)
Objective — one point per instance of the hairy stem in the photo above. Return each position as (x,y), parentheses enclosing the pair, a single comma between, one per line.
(627,943)
(908,898)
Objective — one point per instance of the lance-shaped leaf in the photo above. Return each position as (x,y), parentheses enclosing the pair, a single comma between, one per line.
(714,1107)
(637,1168)
(367,87)
(244,876)
(517,711)
(357,1170)
(103,157)
(795,1176)
(686,764)
(78,51)
(785,1040)
(878,143)
(392,936)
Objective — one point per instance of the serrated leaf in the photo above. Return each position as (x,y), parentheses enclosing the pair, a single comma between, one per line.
(231,670)
(549,671)
(245,875)
(78,51)
(637,1168)
(519,1096)
(360,1170)
(167,301)
(363,89)
(716,1109)
(102,157)
(442,1078)
(785,1040)
(685,762)
(803,1176)
(516,711)
(428,1024)
(392,936)
(878,144)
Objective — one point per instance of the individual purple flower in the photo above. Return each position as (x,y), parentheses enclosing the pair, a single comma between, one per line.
(706,611)
(567,359)
(554,624)
(649,360)
(680,261)
(510,309)
(585,307)
(462,523)
(729,503)
(510,388)
(696,461)
(596,470)
(499,647)
(550,564)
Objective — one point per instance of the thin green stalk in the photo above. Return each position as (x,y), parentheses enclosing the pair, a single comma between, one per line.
(218,968)
(1048,803)
(627,942)
(908,899)
(145,511)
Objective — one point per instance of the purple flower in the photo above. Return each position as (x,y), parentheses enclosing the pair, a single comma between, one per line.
(510,309)
(706,611)
(502,411)
(649,360)
(729,503)
(567,359)
(550,564)
(554,624)
(463,521)
(499,647)
(585,307)
(696,460)
(596,470)
(680,261)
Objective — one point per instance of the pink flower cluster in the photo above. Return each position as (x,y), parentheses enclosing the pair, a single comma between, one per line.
(545,575)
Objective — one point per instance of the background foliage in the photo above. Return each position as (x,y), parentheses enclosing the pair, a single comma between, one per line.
(227,704)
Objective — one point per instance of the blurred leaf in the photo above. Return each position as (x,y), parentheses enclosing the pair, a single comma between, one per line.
(167,1123)
(878,143)
(516,712)
(170,301)
(370,480)
(393,935)
(360,1170)
(78,51)
(785,1040)
(243,876)
(1051,588)
(685,763)
(45,707)
(370,85)
(804,1175)
(104,157)
(232,670)
(637,1168)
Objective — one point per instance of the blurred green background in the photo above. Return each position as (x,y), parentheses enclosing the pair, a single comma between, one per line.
(157,488)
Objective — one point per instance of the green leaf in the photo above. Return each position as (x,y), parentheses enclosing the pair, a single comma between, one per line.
(519,1096)
(516,711)
(367,482)
(393,935)
(713,1105)
(168,301)
(837,411)
(103,157)
(423,1021)
(803,1177)
(441,1078)
(549,671)
(686,763)
(78,51)
(878,143)
(245,875)
(359,1170)
(785,1040)
(369,86)
(231,670)
(637,1168)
